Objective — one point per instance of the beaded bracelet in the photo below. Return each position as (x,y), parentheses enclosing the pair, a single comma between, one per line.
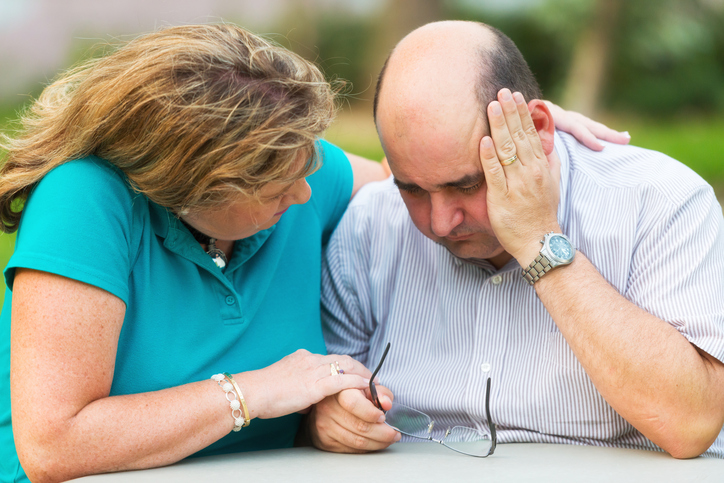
(241,399)
(228,388)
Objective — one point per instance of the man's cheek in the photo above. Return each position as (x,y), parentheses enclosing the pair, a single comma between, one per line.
(419,212)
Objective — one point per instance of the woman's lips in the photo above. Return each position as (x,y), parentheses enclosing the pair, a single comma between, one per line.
(281,212)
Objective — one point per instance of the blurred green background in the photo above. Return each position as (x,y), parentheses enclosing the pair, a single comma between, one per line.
(652,67)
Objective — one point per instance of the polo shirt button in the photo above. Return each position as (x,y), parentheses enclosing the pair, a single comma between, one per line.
(230,300)
(485,367)
(497,279)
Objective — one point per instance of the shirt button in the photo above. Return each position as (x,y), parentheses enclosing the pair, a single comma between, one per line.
(485,367)
(497,279)
(230,300)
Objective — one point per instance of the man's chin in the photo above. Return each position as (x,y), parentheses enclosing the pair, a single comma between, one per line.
(472,248)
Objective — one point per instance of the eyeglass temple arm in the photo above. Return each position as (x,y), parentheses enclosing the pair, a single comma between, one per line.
(491,424)
(373,389)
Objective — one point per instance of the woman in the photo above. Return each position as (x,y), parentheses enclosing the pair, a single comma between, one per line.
(138,171)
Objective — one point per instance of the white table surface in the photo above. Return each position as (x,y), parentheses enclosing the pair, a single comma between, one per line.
(421,462)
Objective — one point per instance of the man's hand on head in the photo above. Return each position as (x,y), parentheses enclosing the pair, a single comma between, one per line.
(521,174)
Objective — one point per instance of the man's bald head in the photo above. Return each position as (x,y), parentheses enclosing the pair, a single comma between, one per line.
(474,58)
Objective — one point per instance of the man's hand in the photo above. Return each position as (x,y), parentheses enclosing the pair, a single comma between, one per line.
(522,196)
(349,422)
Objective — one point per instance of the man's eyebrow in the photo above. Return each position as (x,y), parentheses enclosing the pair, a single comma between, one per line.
(405,186)
(464,182)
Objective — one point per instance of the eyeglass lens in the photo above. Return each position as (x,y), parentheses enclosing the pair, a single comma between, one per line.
(417,424)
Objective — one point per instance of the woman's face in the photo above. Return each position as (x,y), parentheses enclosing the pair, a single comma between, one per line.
(246,216)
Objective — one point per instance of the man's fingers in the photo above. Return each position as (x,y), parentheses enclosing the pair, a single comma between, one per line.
(533,139)
(504,145)
(372,441)
(357,404)
(494,174)
(514,129)
(359,422)
(384,394)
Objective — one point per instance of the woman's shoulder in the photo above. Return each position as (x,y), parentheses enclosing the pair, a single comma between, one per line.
(87,172)
(85,181)
(335,167)
(331,184)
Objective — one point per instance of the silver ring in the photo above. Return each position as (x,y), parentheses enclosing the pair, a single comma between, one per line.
(510,160)
(334,369)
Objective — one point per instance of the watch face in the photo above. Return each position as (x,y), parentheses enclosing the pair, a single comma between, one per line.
(560,247)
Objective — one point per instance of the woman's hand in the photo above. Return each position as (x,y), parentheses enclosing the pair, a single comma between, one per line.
(297,382)
(585,130)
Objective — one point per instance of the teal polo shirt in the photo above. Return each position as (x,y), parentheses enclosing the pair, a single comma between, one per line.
(185,319)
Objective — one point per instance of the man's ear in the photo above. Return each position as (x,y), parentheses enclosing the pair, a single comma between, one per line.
(543,121)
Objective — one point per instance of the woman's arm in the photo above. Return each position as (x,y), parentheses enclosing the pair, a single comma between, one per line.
(63,349)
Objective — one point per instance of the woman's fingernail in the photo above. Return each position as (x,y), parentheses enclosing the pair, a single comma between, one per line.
(505,94)
(495,107)
(625,133)
(381,419)
(487,142)
(398,437)
(519,99)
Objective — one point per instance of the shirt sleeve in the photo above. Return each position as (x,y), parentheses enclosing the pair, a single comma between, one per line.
(331,187)
(77,223)
(346,317)
(677,269)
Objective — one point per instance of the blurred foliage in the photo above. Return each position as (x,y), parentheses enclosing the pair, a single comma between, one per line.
(668,55)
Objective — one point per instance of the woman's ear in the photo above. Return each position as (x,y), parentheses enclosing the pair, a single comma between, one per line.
(543,121)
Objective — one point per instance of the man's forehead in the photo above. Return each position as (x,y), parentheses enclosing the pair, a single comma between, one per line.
(433,184)
(433,173)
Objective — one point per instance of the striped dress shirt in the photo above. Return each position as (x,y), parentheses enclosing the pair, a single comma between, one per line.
(650,225)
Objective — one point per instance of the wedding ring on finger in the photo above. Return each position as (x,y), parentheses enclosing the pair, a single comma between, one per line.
(510,160)
(334,368)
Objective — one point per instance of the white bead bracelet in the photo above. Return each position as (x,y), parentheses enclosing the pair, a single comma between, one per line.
(234,400)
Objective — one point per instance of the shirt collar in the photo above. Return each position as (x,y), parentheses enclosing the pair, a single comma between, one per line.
(179,239)
(563,203)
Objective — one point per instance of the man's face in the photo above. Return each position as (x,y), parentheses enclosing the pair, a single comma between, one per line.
(443,186)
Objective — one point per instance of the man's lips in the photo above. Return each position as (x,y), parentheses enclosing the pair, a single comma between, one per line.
(459,238)
(281,212)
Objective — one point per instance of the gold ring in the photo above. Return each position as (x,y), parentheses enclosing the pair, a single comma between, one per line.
(334,368)
(510,161)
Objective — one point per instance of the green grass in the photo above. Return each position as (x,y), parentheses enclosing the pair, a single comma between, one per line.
(696,142)
(7,243)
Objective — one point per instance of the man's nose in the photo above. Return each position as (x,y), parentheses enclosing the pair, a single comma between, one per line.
(445,215)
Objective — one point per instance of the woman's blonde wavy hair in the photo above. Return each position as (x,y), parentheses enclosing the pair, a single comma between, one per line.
(193,115)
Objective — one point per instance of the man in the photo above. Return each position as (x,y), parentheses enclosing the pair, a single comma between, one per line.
(620,344)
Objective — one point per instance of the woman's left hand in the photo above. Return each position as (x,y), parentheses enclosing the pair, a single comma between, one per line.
(587,131)
(298,381)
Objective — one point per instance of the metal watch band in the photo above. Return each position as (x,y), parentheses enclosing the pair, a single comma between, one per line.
(538,267)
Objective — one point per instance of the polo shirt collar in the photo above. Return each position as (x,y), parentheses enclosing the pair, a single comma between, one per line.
(179,240)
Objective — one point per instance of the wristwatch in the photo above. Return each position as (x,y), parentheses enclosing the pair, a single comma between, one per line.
(557,251)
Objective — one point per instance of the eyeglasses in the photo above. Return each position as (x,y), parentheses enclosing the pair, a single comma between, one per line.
(417,424)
